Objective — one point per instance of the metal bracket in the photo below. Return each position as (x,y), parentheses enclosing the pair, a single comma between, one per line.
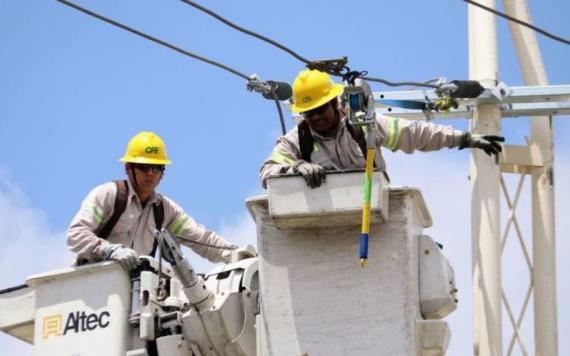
(520,159)
(547,100)
(501,91)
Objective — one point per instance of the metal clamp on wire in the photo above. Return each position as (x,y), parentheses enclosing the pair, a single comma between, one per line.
(449,92)
(255,84)
(332,66)
(269,89)
(277,91)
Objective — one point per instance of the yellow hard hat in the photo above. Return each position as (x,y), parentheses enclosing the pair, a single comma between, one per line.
(146,147)
(313,88)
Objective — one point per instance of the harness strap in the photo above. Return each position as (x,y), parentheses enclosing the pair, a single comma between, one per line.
(120,206)
(158,210)
(305,140)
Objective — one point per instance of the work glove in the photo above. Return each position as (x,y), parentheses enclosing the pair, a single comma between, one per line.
(127,257)
(488,143)
(313,174)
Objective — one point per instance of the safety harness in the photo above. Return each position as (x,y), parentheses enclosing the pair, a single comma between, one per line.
(306,140)
(121,205)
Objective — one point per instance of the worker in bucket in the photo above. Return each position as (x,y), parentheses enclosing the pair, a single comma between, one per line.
(119,220)
(325,141)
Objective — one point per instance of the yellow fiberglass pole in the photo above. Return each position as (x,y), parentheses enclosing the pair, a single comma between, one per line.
(366,207)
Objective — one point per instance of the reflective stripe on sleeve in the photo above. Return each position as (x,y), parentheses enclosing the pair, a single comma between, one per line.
(179,225)
(394,131)
(97,214)
(282,157)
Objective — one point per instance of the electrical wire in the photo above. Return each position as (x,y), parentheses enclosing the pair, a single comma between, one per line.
(246,31)
(154,39)
(233,25)
(290,51)
(399,84)
(520,22)
(233,247)
(177,49)
(281,120)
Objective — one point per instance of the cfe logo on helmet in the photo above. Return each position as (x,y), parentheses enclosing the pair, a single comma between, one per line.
(151,149)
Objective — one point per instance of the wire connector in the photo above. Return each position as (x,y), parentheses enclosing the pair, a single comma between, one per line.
(273,91)
(255,84)
(335,65)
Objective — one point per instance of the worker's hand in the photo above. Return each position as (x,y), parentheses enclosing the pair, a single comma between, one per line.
(487,143)
(313,174)
(127,257)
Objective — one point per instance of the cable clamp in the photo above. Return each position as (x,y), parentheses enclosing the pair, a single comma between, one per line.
(255,84)
(335,65)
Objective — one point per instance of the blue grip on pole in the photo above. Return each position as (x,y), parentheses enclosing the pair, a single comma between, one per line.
(364,245)
(354,101)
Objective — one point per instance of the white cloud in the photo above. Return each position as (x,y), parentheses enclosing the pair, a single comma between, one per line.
(28,247)
(240,231)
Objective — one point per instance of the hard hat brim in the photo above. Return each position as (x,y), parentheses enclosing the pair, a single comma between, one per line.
(335,91)
(144,160)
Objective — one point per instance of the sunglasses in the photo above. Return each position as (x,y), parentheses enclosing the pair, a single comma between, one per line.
(155,168)
(316,111)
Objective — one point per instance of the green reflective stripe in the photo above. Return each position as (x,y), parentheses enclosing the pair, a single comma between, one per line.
(367,190)
(394,133)
(179,225)
(398,132)
(97,214)
(174,226)
(315,147)
(283,157)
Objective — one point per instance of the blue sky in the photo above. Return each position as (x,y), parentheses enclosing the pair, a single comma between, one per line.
(73,90)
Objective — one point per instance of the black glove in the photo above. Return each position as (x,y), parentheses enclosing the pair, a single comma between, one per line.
(488,143)
(313,174)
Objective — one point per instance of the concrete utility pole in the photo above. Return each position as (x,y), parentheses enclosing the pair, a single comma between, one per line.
(543,227)
(541,102)
(485,190)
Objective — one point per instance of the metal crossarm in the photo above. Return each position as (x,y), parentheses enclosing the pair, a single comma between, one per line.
(512,101)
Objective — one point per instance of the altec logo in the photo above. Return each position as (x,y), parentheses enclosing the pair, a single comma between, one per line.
(75,322)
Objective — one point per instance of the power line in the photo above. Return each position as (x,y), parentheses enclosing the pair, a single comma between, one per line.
(290,51)
(154,39)
(246,31)
(520,22)
(253,82)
